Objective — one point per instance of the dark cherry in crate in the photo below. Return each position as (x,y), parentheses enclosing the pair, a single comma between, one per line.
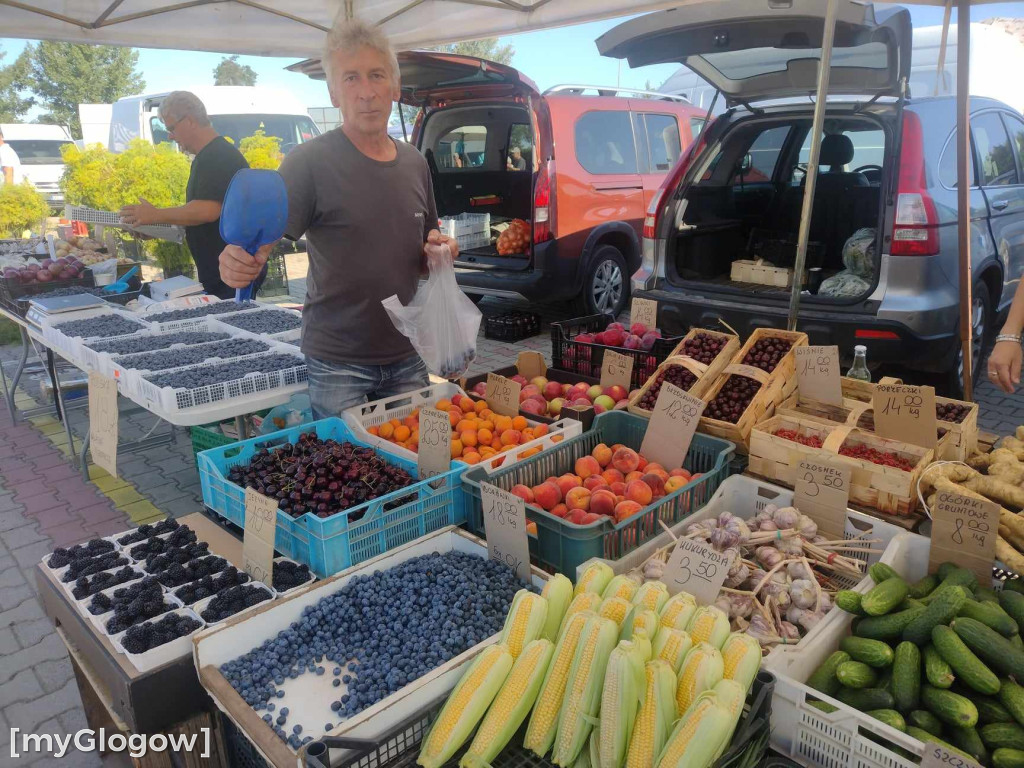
(674,374)
(732,399)
(703,347)
(766,353)
(954,413)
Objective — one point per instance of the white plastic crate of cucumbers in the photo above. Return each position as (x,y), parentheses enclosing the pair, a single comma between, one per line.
(612,673)
(938,659)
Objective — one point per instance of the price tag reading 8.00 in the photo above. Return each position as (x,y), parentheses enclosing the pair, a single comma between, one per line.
(964,531)
(905,412)
(434,454)
(696,568)
(670,430)
(937,756)
(822,492)
(505,529)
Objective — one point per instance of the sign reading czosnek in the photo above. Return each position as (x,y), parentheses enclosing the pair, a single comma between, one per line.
(822,492)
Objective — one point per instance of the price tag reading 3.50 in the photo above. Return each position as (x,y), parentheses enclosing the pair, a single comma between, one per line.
(937,756)
(822,492)
(434,455)
(670,430)
(696,568)
(505,529)
(905,412)
(817,374)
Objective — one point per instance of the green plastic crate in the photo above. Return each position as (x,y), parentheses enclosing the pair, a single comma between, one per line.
(207,436)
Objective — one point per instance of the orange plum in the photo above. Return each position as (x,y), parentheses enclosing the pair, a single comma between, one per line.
(578,498)
(626,460)
(547,495)
(587,466)
(640,492)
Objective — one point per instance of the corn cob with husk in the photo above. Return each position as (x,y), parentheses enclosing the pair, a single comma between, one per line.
(657,713)
(595,578)
(638,618)
(466,705)
(702,669)
(614,608)
(741,657)
(525,621)
(651,596)
(678,610)
(643,642)
(698,734)
(582,699)
(624,685)
(511,705)
(672,645)
(709,625)
(540,733)
(585,601)
(623,586)
(593,748)
(558,593)
(731,696)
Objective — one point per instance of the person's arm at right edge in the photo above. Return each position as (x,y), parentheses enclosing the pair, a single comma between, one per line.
(8,174)
(1005,361)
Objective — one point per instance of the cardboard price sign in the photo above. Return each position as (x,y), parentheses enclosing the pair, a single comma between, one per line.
(502,395)
(258,536)
(505,529)
(434,455)
(822,492)
(616,370)
(696,568)
(905,412)
(103,421)
(937,756)
(818,374)
(644,311)
(964,531)
(670,430)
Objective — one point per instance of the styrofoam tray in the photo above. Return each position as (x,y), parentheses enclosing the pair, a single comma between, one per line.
(196,560)
(203,604)
(312,577)
(162,654)
(83,603)
(171,603)
(291,335)
(307,695)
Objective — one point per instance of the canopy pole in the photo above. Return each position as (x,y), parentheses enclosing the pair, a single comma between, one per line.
(811,177)
(963,189)
(940,71)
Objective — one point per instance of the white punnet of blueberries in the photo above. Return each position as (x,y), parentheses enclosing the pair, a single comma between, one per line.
(152,634)
(378,633)
(62,557)
(90,585)
(99,327)
(146,530)
(146,605)
(267,321)
(146,588)
(154,546)
(139,343)
(231,601)
(202,376)
(217,308)
(180,555)
(177,573)
(178,358)
(206,586)
(288,575)
(91,565)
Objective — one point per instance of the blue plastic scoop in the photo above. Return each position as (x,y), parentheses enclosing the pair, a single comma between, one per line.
(122,283)
(254,213)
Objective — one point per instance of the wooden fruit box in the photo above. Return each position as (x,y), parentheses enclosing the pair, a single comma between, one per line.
(762,273)
(864,391)
(776,387)
(701,371)
(725,355)
(887,489)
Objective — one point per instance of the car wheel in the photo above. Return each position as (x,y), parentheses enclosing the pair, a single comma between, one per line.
(981,327)
(606,286)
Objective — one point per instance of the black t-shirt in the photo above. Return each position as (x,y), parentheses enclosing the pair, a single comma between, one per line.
(208,179)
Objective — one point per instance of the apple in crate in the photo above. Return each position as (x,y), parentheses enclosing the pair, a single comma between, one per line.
(539,382)
(520,380)
(533,406)
(595,391)
(555,406)
(552,390)
(605,401)
(616,392)
(480,388)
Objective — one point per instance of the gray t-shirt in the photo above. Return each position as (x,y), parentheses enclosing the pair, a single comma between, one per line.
(365,223)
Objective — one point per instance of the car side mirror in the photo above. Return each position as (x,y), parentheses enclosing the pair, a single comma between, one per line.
(746,164)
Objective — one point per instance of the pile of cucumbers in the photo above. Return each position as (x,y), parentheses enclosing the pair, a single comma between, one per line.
(941,659)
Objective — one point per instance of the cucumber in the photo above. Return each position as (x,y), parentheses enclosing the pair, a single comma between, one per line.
(1011,696)
(906,677)
(849,601)
(882,598)
(939,611)
(1014,585)
(991,616)
(1004,757)
(888,627)
(924,736)
(991,710)
(970,742)
(923,587)
(824,677)
(854,674)
(1013,603)
(968,668)
(991,647)
(936,670)
(926,721)
(949,707)
(945,569)
(885,678)
(874,653)
(958,577)
(1017,642)
(823,706)
(998,735)
(880,572)
(866,699)
(986,595)
(890,717)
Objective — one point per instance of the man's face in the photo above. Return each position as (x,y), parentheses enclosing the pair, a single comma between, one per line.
(516,153)
(181,130)
(363,87)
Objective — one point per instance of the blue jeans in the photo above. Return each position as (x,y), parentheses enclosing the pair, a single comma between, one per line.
(335,387)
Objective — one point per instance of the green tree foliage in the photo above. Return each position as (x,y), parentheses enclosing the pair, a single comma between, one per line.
(488,48)
(13,82)
(97,178)
(230,72)
(64,75)
(261,151)
(21,208)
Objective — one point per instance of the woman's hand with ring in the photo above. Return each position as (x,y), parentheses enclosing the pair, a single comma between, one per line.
(1004,365)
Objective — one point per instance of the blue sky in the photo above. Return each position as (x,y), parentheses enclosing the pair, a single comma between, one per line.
(577,60)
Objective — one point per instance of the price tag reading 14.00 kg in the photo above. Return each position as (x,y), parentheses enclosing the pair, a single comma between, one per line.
(937,756)
(817,374)
(670,430)
(502,395)
(696,568)
(505,529)
(905,412)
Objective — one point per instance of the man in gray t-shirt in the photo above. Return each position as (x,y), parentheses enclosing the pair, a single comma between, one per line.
(365,204)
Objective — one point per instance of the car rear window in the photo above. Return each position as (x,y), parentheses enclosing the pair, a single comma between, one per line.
(604,143)
(868,149)
(995,154)
(764,155)
(662,140)
(461,149)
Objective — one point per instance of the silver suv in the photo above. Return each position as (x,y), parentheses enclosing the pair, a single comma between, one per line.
(887,172)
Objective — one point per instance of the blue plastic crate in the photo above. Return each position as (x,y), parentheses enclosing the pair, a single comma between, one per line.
(328,545)
(559,545)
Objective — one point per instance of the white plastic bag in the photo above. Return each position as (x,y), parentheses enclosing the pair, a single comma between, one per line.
(440,321)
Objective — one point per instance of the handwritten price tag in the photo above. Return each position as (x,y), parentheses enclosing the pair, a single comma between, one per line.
(434,456)
(938,756)
(964,531)
(616,370)
(670,430)
(502,395)
(258,535)
(696,568)
(103,421)
(505,529)
(905,412)
(818,375)
(644,311)
(822,492)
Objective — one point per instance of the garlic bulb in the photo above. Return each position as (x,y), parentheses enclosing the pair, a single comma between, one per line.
(724,538)
(735,579)
(700,530)
(786,517)
(807,527)
(803,593)
(653,570)
(810,619)
(794,546)
(798,570)
(762,630)
(770,510)
(767,525)
(794,614)
(826,602)
(789,632)
(769,557)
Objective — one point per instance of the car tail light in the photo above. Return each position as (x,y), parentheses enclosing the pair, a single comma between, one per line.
(544,203)
(671,181)
(915,232)
(869,334)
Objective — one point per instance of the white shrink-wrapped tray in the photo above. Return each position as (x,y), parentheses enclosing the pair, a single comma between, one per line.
(106,360)
(162,654)
(83,604)
(305,695)
(186,324)
(282,593)
(128,376)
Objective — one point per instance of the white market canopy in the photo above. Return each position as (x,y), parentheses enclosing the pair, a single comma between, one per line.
(292,27)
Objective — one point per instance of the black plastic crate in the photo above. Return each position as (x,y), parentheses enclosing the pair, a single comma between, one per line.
(585,359)
(512,326)
(13,292)
(779,249)
(553,374)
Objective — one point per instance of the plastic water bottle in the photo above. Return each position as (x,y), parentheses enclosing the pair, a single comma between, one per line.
(859,369)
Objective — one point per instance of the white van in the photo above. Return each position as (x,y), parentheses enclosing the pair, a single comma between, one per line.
(38,147)
(235,111)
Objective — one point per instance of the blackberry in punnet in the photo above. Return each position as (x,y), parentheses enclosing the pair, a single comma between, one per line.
(146,530)
(148,589)
(703,347)
(62,557)
(231,601)
(766,353)
(136,344)
(144,606)
(91,565)
(178,358)
(217,308)
(201,376)
(179,555)
(177,574)
(181,537)
(152,634)
(673,374)
(732,399)
(86,585)
(100,326)
(268,321)
(288,575)
(207,586)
